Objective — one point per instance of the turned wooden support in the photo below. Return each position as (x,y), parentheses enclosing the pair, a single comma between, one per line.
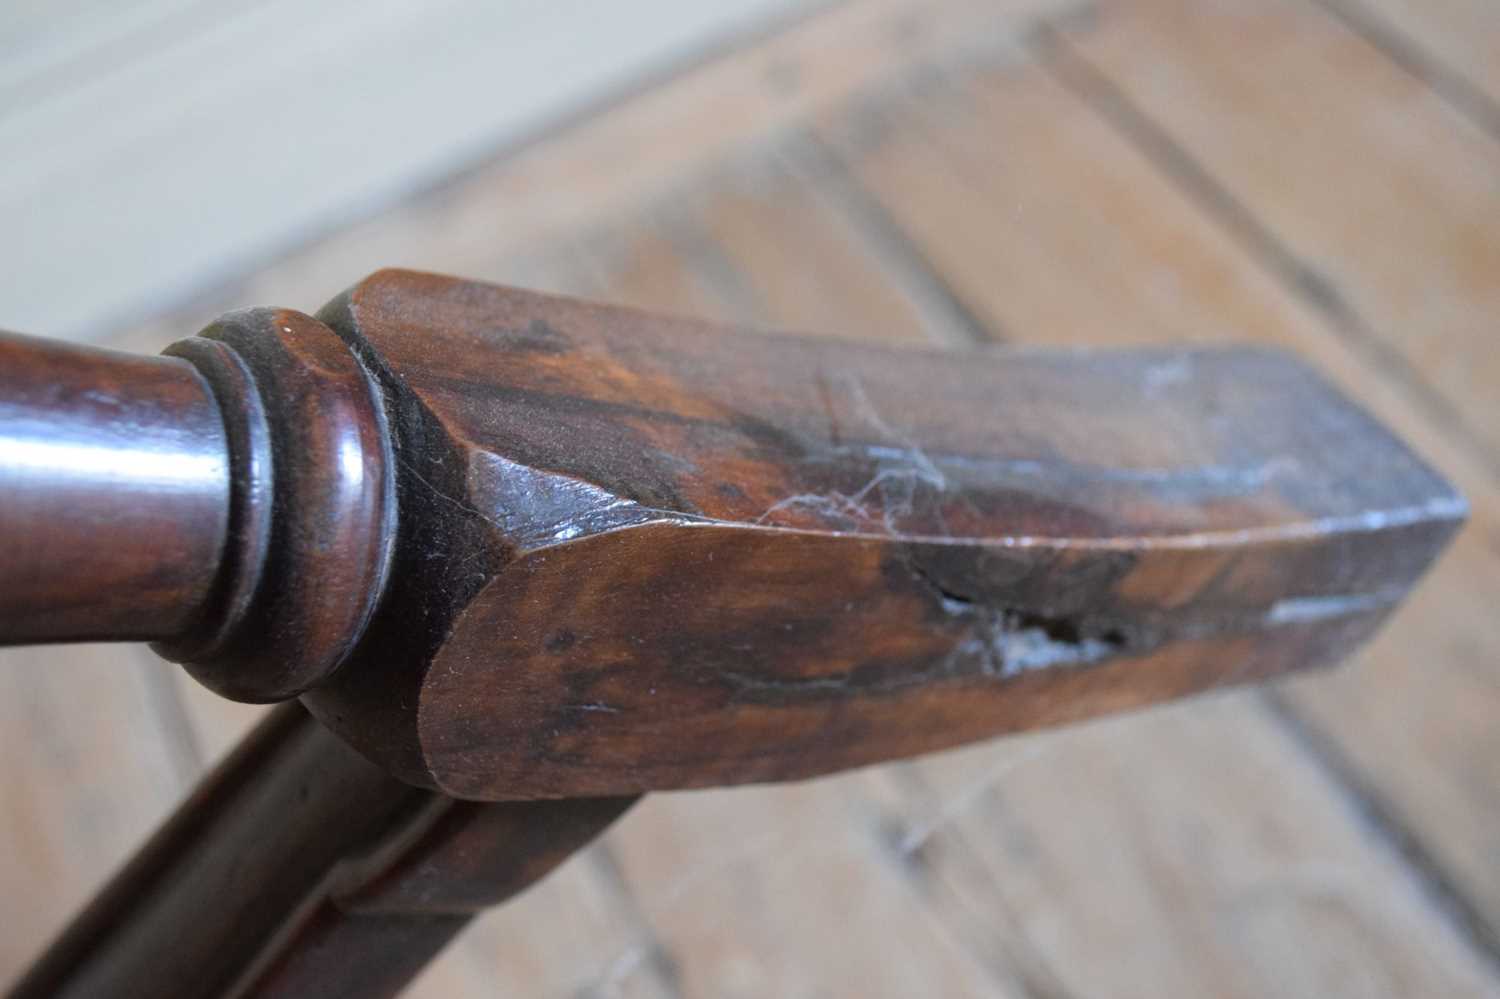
(298,869)
(510,545)
(233,502)
(114,493)
(313,506)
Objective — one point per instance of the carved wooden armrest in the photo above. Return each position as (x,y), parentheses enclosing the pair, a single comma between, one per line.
(508,546)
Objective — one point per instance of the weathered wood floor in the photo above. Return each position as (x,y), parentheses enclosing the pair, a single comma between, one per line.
(1322,174)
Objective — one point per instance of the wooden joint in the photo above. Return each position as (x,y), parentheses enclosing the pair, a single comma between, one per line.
(312,511)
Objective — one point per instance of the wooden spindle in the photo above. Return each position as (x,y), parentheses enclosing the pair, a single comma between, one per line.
(114,493)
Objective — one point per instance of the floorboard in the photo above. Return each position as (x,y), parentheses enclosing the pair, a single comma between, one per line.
(1384,194)
(1454,45)
(1144,261)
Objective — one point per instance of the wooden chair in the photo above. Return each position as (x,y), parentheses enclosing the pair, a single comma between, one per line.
(515,560)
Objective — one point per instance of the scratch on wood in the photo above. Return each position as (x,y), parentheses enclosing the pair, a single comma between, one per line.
(900,472)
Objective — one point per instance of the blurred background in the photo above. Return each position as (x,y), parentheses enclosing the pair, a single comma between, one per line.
(1319,174)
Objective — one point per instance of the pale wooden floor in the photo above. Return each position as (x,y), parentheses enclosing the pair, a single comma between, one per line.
(156,145)
(1322,174)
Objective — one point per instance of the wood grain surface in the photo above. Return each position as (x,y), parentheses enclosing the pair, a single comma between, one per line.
(638,553)
(1336,839)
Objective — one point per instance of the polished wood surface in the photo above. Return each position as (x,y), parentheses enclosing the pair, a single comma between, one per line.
(391,913)
(640,554)
(114,493)
(314,506)
(264,830)
(299,869)
(235,503)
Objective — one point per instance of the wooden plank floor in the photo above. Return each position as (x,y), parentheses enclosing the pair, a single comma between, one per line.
(159,144)
(1320,174)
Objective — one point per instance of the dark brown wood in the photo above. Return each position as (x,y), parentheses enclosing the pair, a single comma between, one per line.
(388,914)
(636,553)
(234,503)
(314,506)
(512,546)
(114,493)
(217,883)
(298,868)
